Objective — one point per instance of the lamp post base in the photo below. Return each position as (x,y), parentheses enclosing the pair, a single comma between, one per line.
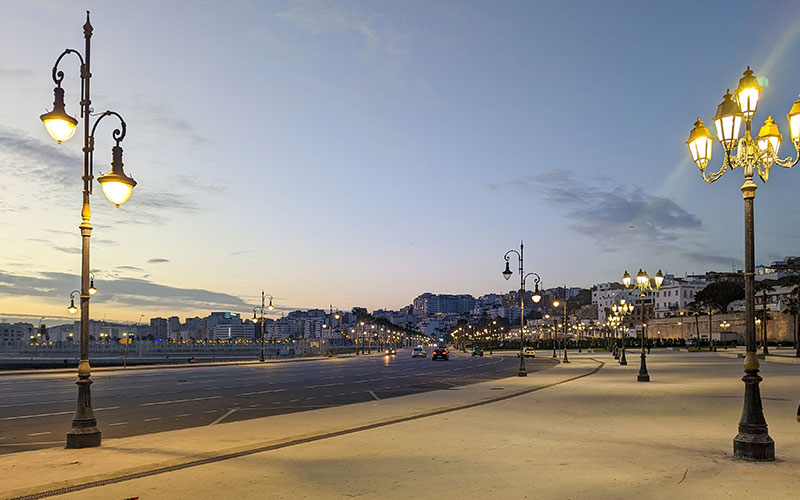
(84,432)
(753,441)
(623,361)
(522,371)
(566,359)
(643,375)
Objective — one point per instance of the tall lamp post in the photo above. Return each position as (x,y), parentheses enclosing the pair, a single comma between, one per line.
(117,187)
(753,155)
(556,304)
(621,310)
(536,298)
(643,285)
(724,327)
(261,319)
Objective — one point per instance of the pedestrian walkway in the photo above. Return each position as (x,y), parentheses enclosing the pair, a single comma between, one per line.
(585,429)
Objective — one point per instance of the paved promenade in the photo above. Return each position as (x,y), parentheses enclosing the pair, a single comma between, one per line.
(581,430)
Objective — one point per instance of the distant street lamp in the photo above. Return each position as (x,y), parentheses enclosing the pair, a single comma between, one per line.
(621,310)
(753,155)
(117,187)
(261,319)
(724,326)
(536,297)
(556,303)
(644,285)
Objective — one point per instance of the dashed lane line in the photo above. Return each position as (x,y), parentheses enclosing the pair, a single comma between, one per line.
(19,417)
(117,423)
(39,434)
(322,385)
(157,403)
(259,392)
(152,419)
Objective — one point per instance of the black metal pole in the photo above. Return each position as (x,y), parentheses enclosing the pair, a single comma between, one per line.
(643,375)
(753,441)
(84,432)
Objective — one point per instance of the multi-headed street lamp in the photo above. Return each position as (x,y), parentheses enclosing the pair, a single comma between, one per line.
(536,297)
(724,327)
(261,319)
(753,155)
(644,285)
(117,187)
(621,310)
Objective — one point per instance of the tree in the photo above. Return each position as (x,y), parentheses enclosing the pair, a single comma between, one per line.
(695,308)
(764,287)
(793,308)
(720,294)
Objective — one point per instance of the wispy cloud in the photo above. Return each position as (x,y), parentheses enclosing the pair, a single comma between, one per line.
(8,73)
(703,258)
(125,292)
(613,215)
(27,156)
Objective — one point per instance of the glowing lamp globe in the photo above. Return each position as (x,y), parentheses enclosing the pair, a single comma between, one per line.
(728,121)
(700,144)
(747,94)
(58,123)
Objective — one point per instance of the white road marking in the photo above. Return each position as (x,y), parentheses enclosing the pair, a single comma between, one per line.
(38,403)
(18,417)
(367,380)
(156,403)
(223,417)
(322,385)
(373,395)
(260,392)
(294,400)
(39,434)
(183,415)
(118,423)
(210,411)
(152,419)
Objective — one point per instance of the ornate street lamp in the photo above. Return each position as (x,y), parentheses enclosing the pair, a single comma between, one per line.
(644,285)
(620,311)
(752,155)
(724,326)
(536,297)
(117,187)
(261,320)
(557,303)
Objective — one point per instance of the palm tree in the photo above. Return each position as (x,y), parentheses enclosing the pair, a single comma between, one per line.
(793,308)
(764,287)
(694,309)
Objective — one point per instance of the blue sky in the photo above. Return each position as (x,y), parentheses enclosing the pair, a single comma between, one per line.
(360,153)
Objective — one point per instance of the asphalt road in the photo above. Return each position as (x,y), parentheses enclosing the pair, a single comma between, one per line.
(36,410)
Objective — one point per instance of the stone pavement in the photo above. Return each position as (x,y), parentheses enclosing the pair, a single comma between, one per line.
(575,432)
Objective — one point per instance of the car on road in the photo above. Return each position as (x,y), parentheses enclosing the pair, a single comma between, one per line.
(418,352)
(528,352)
(440,353)
(390,351)
(477,351)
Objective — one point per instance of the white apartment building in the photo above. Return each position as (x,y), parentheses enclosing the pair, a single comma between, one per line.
(604,295)
(233,331)
(675,295)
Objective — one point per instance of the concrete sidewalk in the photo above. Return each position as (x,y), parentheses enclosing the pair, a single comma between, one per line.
(575,431)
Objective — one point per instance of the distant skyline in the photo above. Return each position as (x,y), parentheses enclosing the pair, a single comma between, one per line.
(361,153)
